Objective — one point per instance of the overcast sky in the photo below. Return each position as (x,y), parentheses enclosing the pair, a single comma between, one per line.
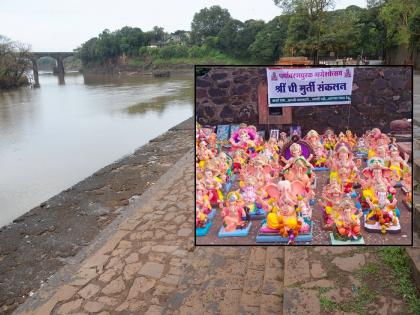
(56,25)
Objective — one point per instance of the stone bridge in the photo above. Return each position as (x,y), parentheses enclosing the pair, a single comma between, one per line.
(58,56)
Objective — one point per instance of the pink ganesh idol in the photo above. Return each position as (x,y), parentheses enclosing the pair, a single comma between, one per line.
(234,212)
(332,195)
(283,218)
(320,154)
(244,138)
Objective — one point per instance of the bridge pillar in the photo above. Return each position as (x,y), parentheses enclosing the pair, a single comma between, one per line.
(36,75)
(60,66)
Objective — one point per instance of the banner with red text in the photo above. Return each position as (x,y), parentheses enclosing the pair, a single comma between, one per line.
(309,86)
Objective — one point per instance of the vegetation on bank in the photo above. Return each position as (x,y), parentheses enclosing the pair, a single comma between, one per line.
(306,28)
(13,63)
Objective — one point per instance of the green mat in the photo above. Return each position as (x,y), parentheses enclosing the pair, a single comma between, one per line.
(349,242)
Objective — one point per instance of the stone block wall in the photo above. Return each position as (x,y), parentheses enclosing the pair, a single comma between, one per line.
(226,95)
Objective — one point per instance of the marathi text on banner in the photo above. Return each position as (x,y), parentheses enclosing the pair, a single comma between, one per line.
(309,86)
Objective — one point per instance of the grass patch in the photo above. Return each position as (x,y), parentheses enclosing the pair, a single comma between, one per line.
(358,304)
(369,269)
(327,304)
(397,261)
(324,290)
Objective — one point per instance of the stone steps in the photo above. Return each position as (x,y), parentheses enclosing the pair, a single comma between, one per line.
(251,296)
(272,288)
(262,291)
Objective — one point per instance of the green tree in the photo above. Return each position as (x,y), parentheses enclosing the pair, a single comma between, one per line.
(315,12)
(300,37)
(14,62)
(130,39)
(208,22)
(396,16)
(246,36)
(372,32)
(343,32)
(414,27)
(269,42)
(228,39)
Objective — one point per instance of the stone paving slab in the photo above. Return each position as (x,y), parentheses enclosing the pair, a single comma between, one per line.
(335,280)
(414,255)
(146,266)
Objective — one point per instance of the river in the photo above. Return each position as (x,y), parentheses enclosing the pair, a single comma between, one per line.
(54,136)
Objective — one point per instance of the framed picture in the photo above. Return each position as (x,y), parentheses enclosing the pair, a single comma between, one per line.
(296,130)
(223,132)
(233,128)
(274,133)
(207,131)
(261,134)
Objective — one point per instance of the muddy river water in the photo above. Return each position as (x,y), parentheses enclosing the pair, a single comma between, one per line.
(54,136)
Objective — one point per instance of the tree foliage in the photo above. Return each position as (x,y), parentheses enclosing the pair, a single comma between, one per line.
(315,12)
(397,15)
(269,42)
(208,22)
(14,62)
(308,28)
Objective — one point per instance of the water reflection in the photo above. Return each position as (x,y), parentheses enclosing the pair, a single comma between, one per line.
(54,136)
(160,103)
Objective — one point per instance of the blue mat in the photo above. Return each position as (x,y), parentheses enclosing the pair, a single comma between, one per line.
(203,231)
(354,194)
(321,168)
(269,238)
(212,214)
(238,232)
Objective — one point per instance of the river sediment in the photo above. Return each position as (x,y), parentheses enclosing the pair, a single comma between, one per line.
(38,243)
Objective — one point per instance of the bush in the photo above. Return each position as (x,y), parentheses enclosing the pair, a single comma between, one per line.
(148,52)
(173,51)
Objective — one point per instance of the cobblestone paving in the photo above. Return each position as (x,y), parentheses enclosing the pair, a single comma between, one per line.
(150,266)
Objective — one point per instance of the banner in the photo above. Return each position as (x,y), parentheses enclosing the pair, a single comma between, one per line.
(309,86)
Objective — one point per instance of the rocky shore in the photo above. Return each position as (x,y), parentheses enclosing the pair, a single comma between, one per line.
(38,243)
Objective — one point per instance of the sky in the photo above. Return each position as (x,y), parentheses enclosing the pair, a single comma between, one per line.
(57,25)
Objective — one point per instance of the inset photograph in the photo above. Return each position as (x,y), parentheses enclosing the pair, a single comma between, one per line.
(294,155)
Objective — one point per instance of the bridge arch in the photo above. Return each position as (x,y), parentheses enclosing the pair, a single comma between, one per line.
(58,56)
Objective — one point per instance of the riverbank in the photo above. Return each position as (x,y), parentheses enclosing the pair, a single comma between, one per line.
(38,243)
(139,69)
